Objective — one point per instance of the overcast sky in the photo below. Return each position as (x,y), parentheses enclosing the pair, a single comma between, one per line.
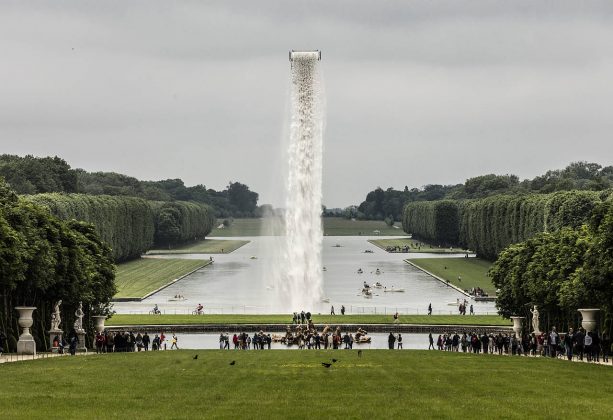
(417,92)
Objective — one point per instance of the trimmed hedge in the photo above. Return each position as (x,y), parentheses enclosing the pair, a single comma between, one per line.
(489,225)
(127,224)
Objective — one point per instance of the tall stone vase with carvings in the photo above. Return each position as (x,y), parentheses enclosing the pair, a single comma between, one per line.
(26,343)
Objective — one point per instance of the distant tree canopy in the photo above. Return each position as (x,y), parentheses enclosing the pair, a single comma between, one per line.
(33,175)
(43,259)
(381,204)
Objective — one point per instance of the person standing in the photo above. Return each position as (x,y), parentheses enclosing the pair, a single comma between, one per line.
(332,310)
(554,342)
(342,309)
(568,343)
(390,341)
(431,340)
(399,341)
(472,311)
(430,309)
(146,341)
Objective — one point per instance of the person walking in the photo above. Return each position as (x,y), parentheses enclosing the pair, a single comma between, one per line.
(390,341)
(174,343)
(332,310)
(430,309)
(431,340)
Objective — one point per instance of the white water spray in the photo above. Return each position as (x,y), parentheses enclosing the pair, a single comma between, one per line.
(299,279)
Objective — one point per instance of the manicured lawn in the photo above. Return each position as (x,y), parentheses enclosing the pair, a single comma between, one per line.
(414,246)
(333,226)
(338,226)
(294,384)
(135,279)
(208,246)
(473,271)
(124,319)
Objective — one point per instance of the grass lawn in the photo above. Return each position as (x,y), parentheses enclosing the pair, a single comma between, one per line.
(333,226)
(135,279)
(473,271)
(294,384)
(208,246)
(124,319)
(413,246)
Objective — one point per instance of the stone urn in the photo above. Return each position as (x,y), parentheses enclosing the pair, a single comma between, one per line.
(26,343)
(99,322)
(588,319)
(518,322)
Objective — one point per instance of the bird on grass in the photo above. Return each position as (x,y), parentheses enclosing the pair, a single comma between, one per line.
(233,362)
(195,357)
(326,365)
(334,360)
(359,353)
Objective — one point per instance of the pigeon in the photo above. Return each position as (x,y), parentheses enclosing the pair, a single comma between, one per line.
(326,365)
(359,353)
(233,362)
(334,360)
(196,357)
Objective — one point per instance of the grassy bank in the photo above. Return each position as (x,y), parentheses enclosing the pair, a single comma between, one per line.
(473,271)
(333,226)
(121,319)
(136,279)
(208,246)
(414,246)
(294,384)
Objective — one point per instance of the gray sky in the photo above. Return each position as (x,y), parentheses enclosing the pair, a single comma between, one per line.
(417,92)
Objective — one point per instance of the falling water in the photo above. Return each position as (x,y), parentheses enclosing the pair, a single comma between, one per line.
(299,279)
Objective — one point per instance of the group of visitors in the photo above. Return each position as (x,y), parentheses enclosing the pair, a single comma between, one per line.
(477,291)
(397,248)
(243,341)
(342,310)
(462,307)
(391,339)
(126,341)
(579,345)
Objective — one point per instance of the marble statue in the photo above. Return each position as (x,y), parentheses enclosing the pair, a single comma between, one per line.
(78,324)
(56,318)
(535,319)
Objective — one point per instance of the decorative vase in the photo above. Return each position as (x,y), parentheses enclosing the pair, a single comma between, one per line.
(26,343)
(588,319)
(99,322)
(518,325)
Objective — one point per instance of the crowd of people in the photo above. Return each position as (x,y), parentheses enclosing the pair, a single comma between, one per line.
(243,341)
(580,345)
(126,341)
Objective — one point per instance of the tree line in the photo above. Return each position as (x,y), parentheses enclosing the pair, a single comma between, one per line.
(490,224)
(131,225)
(381,204)
(560,272)
(34,175)
(43,259)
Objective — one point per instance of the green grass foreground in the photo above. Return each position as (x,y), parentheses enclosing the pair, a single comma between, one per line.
(333,226)
(294,384)
(414,246)
(135,279)
(473,271)
(207,246)
(125,319)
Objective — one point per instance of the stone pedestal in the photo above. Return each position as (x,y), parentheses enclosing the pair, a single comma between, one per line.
(588,319)
(26,343)
(99,322)
(81,346)
(52,334)
(517,325)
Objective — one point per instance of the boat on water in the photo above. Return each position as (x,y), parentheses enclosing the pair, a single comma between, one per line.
(177,298)
(377,271)
(378,285)
(325,300)
(253,257)
(360,271)
(393,290)
(367,292)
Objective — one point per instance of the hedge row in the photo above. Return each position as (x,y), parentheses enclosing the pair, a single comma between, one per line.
(127,224)
(489,225)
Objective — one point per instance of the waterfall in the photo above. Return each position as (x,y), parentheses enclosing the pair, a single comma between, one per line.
(300,277)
